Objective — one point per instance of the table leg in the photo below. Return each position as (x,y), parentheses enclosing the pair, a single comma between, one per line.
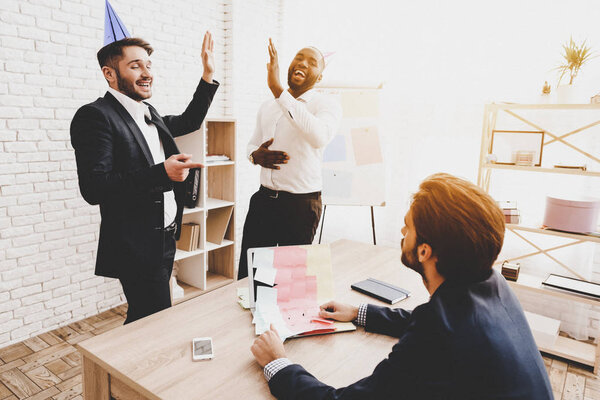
(95,381)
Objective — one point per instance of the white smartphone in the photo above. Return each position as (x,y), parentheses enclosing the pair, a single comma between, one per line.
(202,348)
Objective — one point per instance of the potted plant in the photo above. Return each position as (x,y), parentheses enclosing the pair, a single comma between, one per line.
(574,57)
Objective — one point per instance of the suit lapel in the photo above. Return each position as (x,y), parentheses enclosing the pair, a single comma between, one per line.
(135,130)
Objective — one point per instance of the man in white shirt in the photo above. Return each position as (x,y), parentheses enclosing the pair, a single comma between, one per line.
(129,164)
(292,130)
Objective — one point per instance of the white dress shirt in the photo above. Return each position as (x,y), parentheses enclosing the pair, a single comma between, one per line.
(302,128)
(138,110)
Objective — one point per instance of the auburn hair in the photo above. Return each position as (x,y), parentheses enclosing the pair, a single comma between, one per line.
(463,225)
(110,54)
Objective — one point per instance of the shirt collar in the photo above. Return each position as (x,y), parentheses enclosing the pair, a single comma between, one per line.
(137,110)
(306,96)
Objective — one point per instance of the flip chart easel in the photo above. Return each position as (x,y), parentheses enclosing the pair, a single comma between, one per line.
(353,166)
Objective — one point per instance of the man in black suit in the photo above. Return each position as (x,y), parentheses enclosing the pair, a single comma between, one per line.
(470,341)
(129,164)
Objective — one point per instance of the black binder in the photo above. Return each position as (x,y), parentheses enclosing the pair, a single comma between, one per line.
(192,188)
(381,290)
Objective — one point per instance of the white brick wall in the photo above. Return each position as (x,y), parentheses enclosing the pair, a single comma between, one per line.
(48,69)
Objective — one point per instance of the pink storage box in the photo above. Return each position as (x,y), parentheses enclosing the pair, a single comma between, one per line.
(580,216)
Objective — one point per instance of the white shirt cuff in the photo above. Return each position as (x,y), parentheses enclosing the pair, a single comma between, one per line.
(361,320)
(275,366)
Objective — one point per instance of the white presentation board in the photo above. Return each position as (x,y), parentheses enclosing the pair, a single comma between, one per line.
(353,166)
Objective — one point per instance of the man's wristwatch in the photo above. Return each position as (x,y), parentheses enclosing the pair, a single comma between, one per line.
(251,159)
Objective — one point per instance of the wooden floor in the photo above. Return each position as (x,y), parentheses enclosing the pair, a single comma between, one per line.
(49,367)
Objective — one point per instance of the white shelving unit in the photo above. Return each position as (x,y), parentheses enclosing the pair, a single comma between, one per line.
(582,352)
(212,264)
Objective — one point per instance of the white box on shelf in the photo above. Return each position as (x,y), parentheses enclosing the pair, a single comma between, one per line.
(578,215)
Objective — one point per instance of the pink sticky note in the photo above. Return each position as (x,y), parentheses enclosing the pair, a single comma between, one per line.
(298,290)
(283,293)
(311,287)
(298,272)
(289,256)
(366,146)
(284,276)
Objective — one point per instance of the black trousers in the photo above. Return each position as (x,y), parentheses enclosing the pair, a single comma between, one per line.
(148,294)
(279,219)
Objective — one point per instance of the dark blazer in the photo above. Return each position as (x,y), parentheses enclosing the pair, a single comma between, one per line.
(467,342)
(116,171)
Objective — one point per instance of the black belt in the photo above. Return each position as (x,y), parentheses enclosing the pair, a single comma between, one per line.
(275,194)
(171,228)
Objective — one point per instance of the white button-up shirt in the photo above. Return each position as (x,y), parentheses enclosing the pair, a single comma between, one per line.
(138,111)
(302,128)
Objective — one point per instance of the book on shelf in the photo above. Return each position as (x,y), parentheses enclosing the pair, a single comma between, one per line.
(510,211)
(512,219)
(190,234)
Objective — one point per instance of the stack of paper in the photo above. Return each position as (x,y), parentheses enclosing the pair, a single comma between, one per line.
(299,279)
(213,158)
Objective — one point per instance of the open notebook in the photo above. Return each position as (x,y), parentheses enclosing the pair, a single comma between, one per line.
(287,284)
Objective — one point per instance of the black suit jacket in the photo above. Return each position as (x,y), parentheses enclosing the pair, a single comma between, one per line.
(467,342)
(116,171)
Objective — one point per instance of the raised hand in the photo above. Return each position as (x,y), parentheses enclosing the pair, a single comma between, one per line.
(273,71)
(268,158)
(208,59)
(178,166)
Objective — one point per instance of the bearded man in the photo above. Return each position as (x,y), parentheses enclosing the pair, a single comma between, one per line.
(470,341)
(129,164)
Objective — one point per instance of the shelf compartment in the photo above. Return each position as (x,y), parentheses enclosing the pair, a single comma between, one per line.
(218,260)
(215,281)
(220,139)
(217,221)
(191,270)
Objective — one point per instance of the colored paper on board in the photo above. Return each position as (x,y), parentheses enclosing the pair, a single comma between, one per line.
(266,275)
(357,104)
(289,256)
(367,149)
(114,28)
(335,150)
(263,257)
(337,183)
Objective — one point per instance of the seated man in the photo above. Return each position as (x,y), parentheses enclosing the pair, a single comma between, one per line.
(470,341)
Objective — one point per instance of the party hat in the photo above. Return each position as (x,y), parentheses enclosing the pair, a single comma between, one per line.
(114,28)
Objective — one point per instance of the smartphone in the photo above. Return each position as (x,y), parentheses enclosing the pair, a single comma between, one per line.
(202,348)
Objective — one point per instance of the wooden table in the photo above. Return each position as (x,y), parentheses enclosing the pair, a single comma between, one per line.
(152,358)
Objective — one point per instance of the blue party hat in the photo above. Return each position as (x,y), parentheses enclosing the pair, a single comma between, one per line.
(114,28)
